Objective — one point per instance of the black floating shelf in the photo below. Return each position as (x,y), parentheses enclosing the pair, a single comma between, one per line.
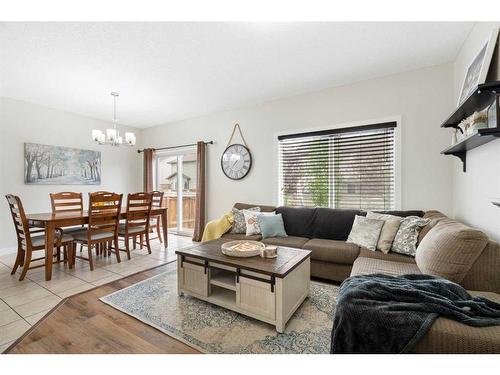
(460,149)
(477,101)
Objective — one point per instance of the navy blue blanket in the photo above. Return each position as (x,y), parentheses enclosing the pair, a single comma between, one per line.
(386,314)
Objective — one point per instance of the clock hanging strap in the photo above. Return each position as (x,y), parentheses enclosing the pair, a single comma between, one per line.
(236,126)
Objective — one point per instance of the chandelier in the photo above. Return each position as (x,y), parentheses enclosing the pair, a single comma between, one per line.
(112,136)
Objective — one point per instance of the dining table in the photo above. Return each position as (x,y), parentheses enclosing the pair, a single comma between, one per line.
(51,221)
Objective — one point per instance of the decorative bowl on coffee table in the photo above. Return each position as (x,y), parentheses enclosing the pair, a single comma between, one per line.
(242,248)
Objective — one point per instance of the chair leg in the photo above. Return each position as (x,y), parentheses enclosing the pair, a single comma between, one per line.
(158,231)
(71,250)
(127,246)
(27,261)
(117,250)
(91,261)
(141,238)
(19,260)
(134,246)
(58,253)
(148,245)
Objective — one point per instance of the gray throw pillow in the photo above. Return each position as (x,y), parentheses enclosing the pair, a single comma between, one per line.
(406,239)
(239,223)
(365,232)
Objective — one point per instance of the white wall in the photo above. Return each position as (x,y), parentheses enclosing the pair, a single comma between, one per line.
(473,190)
(422,98)
(24,122)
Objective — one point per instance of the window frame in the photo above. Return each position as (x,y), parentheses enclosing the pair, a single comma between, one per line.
(278,197)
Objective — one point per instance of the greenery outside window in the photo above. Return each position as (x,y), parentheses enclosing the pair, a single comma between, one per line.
(339,168)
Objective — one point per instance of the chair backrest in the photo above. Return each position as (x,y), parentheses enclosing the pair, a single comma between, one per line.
(20,221)
(138,211)
(157,197)
(104,215)
(66,202)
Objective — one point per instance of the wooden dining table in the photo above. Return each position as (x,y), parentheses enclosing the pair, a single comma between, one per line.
(51,221)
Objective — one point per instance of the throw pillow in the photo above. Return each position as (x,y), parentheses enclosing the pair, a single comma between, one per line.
(405,241)
(272,226)
(239,224)
(388,232)
(252,221)
(365,232)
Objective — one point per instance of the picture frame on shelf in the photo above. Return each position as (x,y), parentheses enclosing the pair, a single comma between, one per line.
(493,112)
(478,68)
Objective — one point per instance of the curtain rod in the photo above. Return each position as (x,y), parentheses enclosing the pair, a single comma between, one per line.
(171,147)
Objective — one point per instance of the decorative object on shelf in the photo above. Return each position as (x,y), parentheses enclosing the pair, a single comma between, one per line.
(479,100)
(57,165)
(478,69)
(454,137)
(493,113)
(471,124)
(236,160)
(242,248)
(112,136)
(269,251)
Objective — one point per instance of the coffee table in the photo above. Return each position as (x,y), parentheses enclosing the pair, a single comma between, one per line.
(269,290)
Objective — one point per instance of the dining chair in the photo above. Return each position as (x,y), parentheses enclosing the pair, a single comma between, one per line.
(137,221)
(104,218)
(68,202)
(28,240)
(156,220)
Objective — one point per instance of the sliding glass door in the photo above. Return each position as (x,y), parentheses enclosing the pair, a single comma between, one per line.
(176,177)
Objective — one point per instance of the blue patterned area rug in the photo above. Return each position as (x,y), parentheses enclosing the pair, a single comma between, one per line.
(212,329)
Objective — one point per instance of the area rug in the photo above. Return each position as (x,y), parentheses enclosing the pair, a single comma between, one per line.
(212,329)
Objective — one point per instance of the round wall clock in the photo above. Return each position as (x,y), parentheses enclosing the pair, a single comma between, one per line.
(236,161)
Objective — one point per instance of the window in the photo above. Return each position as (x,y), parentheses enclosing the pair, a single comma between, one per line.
(339,168)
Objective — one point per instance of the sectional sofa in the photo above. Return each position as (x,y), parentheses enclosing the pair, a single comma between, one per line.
(446,248)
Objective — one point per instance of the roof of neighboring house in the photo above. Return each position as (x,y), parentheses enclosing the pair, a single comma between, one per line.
(175,175)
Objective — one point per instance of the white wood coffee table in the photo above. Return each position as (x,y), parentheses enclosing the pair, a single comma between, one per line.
(270,290)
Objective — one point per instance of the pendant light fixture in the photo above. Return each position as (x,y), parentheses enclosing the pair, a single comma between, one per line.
(112,136)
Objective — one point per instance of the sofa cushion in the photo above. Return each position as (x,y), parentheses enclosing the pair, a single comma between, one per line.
(290,241)
(392,257)
(246,206)
(239,236)
(434,217)
(449,250)
(334,224)
(299,221)
(449,336)
(388,232)
(332,251)
(367,266)
(406,213)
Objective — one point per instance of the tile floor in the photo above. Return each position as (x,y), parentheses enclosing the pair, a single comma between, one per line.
(23,303)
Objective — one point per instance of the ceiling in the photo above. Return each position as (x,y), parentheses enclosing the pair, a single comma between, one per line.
(171,71)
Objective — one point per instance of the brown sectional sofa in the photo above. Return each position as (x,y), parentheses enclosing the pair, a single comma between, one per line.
(446,248)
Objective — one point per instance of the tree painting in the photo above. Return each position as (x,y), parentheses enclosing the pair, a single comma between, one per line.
(56,165)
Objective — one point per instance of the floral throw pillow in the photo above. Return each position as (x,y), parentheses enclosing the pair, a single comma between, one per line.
(239,225)
(252,221)
(406,238)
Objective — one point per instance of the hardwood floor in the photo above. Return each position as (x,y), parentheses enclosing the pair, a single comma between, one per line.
(83,324)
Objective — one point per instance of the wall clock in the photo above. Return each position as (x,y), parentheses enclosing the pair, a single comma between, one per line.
(236,159)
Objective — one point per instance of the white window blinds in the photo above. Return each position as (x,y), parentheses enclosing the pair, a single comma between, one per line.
(340,168)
